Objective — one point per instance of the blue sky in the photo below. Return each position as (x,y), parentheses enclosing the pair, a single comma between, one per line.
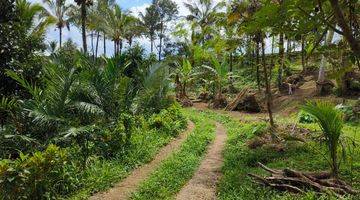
(126,4)
(75,35)
(135,6)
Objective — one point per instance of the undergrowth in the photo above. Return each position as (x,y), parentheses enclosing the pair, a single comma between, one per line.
(239,160)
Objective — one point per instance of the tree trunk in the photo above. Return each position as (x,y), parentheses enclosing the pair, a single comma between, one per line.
(281,60)
(152,44)
(115,49)
(83,26)
(272,55)
(60,35)
(120,46)
(97,44)
(231,69)
(288,47)
(354,44)
(130,42)
(257,52)
(345,82)
(104,45)
(321,77)
(303,53)
(92,44)
(231,62)
(334,162)
(161,37)
(267,85)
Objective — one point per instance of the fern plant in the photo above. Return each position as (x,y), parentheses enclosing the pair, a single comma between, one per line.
(330,121)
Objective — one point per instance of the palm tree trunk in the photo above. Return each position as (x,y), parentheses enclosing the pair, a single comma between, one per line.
(160,37)
(160,44)
(267,85)
(92,44)
(120,46)
(83,26)
(115,49)
(151,44)
(104,45)
(97,43)
(60,35)
(130,42)
(334,162)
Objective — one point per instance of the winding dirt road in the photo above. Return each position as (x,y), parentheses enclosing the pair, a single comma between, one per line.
(202,186)
(123,189)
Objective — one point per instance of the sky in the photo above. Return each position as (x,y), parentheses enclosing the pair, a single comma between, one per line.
(74,33)
(135,6)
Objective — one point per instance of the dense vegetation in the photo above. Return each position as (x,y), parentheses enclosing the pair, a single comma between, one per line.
(75,119)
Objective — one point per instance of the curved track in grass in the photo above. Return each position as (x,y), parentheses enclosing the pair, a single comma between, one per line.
(202,186)
(123,189)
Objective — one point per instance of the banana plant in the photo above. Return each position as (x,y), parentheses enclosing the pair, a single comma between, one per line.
(219,73)
(184,76)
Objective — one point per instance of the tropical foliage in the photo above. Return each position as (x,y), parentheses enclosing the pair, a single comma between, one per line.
(77,116)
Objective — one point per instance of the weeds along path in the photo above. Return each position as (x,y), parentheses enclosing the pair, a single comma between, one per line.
(202,186)
(123,189)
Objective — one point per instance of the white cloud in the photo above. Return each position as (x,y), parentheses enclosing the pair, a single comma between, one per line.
(139,9)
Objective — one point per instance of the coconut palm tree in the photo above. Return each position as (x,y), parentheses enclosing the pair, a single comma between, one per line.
(96,18)
(58,10)
(33,17)
(133,29)
(114,25)
(83,4)
(203,13)
(150,22)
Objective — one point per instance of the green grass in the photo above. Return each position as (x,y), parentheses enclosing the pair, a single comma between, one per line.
(175,171)
(239,160)
(102,174)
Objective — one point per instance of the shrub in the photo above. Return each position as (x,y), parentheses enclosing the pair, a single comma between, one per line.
(170,120)
(41,175)
(349,114)
(330,121)
(305,118)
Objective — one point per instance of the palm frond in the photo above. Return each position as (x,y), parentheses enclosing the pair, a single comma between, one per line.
(88,108)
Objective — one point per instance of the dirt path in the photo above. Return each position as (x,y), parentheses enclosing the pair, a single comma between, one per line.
(123,189)
(202,186)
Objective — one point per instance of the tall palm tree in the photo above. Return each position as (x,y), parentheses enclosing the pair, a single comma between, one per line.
(57,10)
(203,14)
(133,29)
(150,22)
(114,26)
(83,4)
(33,17)
(96,18)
